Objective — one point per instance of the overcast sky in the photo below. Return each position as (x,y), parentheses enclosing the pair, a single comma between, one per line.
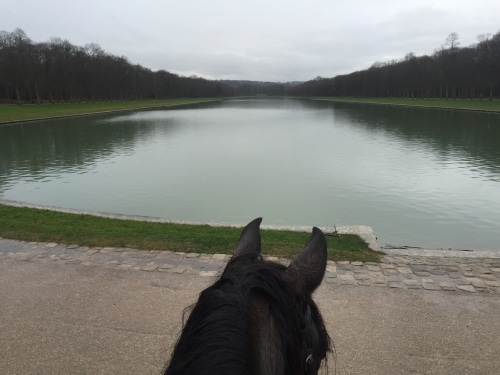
(265,40)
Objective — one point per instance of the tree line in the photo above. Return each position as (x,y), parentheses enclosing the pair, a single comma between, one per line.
(57,71)
(450,72)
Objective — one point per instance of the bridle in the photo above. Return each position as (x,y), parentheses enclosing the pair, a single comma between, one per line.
(309,333)
(308,364)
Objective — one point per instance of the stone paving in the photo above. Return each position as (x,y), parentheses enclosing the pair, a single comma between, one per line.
(395,271)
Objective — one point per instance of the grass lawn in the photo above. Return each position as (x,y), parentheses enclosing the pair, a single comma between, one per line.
(475,105)
(15,112)
(39,225)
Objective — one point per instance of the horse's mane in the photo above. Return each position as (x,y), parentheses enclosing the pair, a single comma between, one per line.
(221,322)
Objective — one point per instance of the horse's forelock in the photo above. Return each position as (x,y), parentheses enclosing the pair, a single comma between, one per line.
(281,316)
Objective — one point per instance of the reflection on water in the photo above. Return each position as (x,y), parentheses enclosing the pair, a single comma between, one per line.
(419,176)
(454,135)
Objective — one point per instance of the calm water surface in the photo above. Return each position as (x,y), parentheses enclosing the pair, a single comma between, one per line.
(418,176)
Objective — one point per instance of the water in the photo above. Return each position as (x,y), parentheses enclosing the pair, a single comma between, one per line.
(421,177)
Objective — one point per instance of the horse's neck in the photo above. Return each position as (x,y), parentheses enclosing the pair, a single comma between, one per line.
(214,339)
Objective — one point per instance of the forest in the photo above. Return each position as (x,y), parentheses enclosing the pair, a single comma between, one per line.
(57,71)
(451,72)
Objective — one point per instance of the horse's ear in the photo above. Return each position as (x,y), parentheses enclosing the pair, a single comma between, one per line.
(249,239)
(307,269)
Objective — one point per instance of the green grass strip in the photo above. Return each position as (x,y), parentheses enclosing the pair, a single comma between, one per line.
(464,104)
(39,225)
(15,112)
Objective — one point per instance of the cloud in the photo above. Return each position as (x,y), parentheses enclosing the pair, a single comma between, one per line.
(279,40)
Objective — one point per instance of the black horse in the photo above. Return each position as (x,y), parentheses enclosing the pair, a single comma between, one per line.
(258,317)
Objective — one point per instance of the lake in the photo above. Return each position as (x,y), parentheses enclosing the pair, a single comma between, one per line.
(419,177)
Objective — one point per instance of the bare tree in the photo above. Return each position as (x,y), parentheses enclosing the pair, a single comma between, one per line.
(452,42)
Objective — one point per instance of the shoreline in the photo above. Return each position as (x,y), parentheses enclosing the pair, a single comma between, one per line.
(368,101)
(9,122)
(365,232)
(325,99)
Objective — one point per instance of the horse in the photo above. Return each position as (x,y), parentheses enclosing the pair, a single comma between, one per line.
(258,317)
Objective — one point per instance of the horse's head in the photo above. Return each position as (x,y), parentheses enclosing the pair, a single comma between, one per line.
(302,341)
(259,317)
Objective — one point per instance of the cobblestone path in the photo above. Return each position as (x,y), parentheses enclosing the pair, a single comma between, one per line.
(468,275)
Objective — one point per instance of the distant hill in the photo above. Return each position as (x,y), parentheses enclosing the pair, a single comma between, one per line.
(245,87)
